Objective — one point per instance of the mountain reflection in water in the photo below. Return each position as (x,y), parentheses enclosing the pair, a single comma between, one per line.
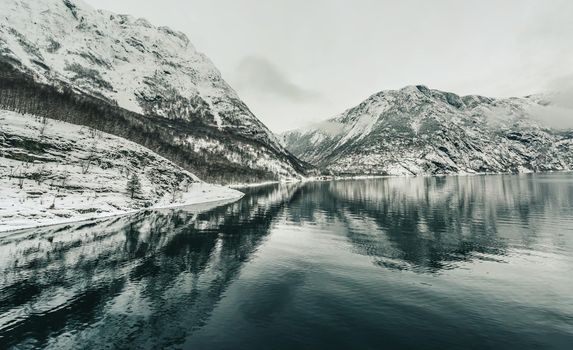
(466,262)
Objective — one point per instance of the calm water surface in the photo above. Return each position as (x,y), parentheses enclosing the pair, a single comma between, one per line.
(399,263)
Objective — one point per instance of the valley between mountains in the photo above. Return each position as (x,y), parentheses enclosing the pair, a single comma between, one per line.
(93,104)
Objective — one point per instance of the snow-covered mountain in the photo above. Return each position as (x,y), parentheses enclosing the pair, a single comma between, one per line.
(416,130)
(52,171)
(150,79)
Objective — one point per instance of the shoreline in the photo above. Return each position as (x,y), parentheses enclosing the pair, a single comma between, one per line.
(366,177)
(191,205)
(215,202)
(61,181)
(264,183)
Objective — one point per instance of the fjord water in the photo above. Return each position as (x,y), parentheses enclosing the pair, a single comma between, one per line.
(438,262)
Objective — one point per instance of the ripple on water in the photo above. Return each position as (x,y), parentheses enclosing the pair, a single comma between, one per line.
(462,262)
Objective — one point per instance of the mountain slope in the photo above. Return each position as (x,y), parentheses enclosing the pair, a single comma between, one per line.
(52,171)
(417,130)
(131,70)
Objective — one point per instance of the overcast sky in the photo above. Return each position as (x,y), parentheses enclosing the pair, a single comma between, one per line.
(299,61)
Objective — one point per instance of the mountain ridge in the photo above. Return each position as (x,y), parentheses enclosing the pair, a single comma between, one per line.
(155,72)
(417,131)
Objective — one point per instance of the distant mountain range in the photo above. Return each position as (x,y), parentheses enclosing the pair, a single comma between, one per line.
(63,59)
(419,131)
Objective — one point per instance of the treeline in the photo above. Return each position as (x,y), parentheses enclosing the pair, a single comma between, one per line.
(20,93)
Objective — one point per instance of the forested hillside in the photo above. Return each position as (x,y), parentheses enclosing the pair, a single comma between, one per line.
(20,93)
(91,67)
(52,171)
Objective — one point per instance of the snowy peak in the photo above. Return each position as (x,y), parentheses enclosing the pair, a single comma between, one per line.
(414,96)
(122,58)
(125,60)
(417,130)
(155,72)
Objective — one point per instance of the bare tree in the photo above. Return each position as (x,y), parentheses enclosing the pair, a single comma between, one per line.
(175,192)
(95,133)
(13,172)
(43,125)
(65,176)
(186,184)
(53,205)
(20,175)
(86,163)
(38,173)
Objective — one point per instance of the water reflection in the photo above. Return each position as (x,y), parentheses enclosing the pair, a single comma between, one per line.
(429,224)
(152,279)
(167,268)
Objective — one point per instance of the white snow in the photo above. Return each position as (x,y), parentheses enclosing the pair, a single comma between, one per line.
(130,62)
(45,178)
(423,131)
(125,51)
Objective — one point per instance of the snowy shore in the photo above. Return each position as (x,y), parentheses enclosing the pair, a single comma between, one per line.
(53,172)
(197,205)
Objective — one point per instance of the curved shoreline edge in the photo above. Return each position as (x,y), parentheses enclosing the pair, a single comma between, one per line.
(193,206)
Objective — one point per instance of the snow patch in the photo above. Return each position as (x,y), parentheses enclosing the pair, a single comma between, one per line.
(53,172)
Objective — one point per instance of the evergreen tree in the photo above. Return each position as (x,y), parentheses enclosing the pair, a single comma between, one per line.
(133,186)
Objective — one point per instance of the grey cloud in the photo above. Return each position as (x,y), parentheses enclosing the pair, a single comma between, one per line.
(258,73)
(554,116)
(559,113)
(562,89)
(348,50)
(331,128)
